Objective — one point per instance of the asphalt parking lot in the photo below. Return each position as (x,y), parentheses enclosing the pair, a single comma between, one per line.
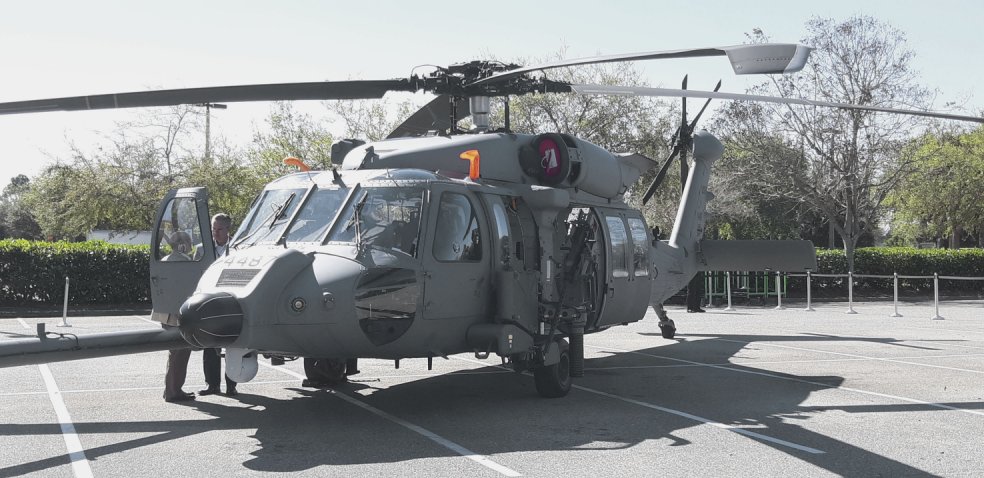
(750,392)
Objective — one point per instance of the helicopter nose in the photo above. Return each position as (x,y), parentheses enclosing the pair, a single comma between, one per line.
(211,319)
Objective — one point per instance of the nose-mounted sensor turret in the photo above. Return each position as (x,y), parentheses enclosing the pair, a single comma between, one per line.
(212,319)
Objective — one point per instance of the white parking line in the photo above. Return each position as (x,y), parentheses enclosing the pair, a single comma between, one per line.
(76,454)
(23,324)
(772,362)
(480,459)
(800,380)
(706,421)
(842,354)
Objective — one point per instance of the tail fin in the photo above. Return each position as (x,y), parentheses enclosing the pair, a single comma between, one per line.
(688,229)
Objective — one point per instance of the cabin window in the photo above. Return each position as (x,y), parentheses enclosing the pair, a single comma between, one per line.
(180,233)
(458,237)
(640,247)
(619,240)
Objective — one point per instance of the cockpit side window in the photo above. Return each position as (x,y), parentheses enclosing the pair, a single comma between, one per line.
(179,231)
(501,223)
(458,236)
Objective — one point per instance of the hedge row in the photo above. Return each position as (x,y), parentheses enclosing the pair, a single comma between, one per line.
(102,273)
(33,272)
(903,260)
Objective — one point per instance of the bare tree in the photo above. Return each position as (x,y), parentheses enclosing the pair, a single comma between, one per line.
(370,120)
(841,163)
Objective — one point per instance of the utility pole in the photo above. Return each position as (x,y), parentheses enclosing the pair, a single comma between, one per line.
(208,126)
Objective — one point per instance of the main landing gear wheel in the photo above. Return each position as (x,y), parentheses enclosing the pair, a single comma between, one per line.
(667,328)
(323,373)
(554,381)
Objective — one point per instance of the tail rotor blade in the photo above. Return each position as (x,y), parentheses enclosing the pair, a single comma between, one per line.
(684,169)
(693,124)
(683,115)
(660,175)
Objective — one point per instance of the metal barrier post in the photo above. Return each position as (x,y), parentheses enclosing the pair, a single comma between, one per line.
(809,298)
(728,289)
(779,291)
(936,295)
(64,322)
(850,293)
(896,300)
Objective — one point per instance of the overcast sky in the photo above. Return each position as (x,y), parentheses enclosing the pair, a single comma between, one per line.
(65,48)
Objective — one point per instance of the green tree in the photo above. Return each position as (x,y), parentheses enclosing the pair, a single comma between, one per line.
(119,185)
(370,120)
(16,220)
(230,178)
(942,195)
(289,134)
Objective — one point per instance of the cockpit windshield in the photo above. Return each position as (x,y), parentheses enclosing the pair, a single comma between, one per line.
(270,216)
(317,214)
(387,217)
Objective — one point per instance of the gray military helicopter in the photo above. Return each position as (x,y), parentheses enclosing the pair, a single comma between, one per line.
(436,241)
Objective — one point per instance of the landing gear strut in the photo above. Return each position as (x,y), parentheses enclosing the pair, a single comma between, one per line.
(323,372)
(666,326)
(554,381)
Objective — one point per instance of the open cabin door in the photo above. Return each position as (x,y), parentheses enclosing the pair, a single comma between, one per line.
(628,268)
(181,248)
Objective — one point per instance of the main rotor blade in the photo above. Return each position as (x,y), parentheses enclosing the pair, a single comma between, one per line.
(435,115)
(322,90)
(745,59)
(669,92)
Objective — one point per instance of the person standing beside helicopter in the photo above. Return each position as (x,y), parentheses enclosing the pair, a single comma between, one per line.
(212,357)
(177,359)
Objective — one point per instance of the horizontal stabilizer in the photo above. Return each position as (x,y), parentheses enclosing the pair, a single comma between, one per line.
(785,256)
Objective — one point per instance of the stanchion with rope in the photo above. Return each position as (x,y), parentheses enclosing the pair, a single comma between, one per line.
(936,296)
(64,322)
(895,286)
(850,293)
(727,288)
(779,291)
(809,297)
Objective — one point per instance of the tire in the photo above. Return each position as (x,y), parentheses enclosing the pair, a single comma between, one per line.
(668,330)
(554,381)
(323,372)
